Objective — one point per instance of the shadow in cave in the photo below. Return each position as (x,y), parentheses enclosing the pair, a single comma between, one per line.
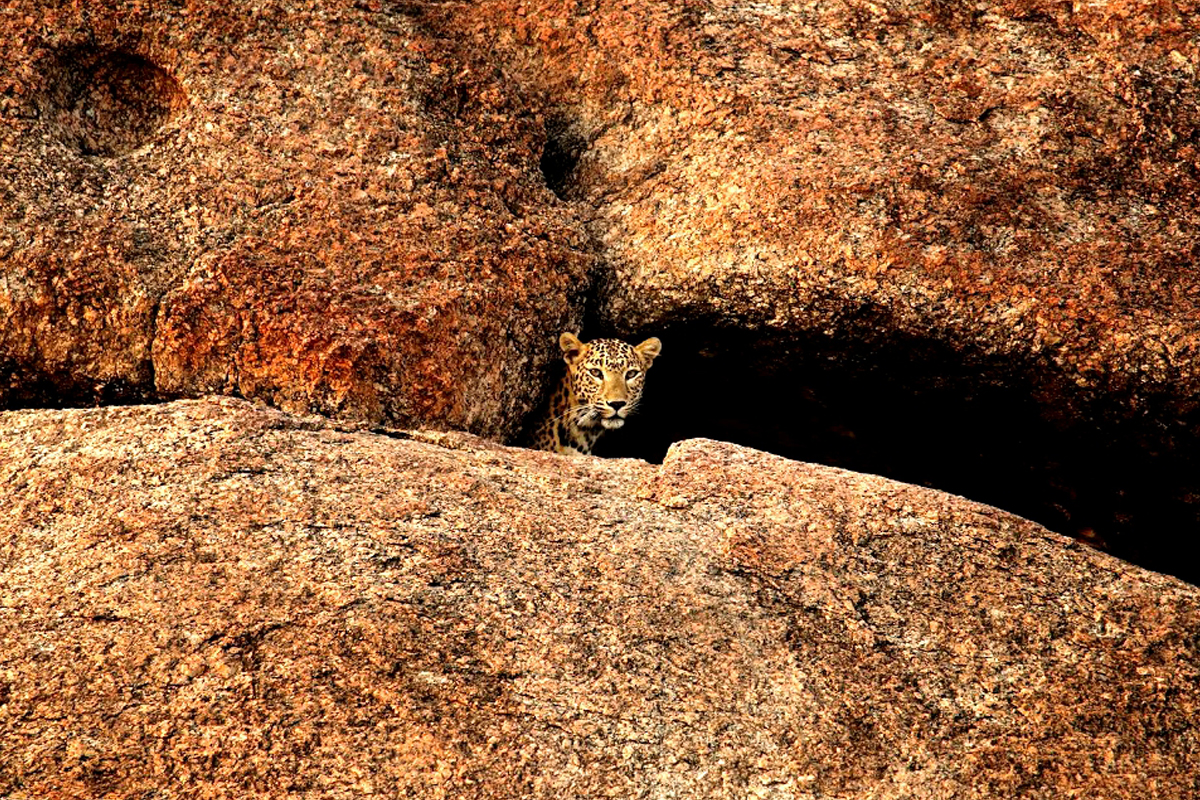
(23,387)
(1010,434)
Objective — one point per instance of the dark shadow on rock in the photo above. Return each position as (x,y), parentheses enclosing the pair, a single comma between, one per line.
(106,102)
(560,156)
(1003,431)
(29,387)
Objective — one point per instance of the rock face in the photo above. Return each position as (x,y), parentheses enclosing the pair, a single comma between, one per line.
(952,244)
(311,203)
(208,598)
(963,231)
(1018,177)
(956,244)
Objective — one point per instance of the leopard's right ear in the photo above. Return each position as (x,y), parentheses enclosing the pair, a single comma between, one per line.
(571,346)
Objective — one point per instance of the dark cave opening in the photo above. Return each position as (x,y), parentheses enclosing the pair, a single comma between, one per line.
(25,386)
(995,430)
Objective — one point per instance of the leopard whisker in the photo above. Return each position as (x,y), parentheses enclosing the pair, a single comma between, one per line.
(573,412)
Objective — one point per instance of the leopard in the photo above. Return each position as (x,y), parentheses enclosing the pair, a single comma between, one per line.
(601,388)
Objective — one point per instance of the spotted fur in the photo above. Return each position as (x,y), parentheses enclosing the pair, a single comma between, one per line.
(602,387)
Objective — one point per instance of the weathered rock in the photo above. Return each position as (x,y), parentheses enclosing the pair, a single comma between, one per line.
(1016,174)
(950,245)
(305,202)
(208,598)
(917,203)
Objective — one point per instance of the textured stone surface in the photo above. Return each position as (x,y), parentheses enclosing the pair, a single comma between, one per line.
(1014,172)
(952,245)
(211,599)
(305,202)
(925,203)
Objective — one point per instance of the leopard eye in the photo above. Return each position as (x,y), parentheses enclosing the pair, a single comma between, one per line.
(633,373)
(597,374)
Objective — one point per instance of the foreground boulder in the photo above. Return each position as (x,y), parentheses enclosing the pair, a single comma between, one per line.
(312,204)
(208,598)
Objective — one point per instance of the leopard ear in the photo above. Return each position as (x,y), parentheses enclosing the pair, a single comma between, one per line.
(649,350)
(571,346)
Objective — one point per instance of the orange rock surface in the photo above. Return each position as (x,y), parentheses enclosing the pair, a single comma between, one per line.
(1016,177)
(306,203)
(209,599)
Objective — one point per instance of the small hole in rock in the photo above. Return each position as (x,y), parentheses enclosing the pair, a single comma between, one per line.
(106,102)
(993,429)
(560,155)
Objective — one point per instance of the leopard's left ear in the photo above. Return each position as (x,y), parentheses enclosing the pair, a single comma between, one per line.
(649,350)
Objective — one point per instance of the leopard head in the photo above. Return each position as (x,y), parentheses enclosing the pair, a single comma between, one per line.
(606,377)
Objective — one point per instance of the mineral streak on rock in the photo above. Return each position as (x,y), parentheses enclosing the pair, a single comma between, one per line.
(212,599)
(309,203)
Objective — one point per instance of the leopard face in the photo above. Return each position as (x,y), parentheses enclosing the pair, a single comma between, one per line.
(606,378)
(602,386)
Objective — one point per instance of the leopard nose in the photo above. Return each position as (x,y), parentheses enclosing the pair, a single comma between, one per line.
(616,405)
